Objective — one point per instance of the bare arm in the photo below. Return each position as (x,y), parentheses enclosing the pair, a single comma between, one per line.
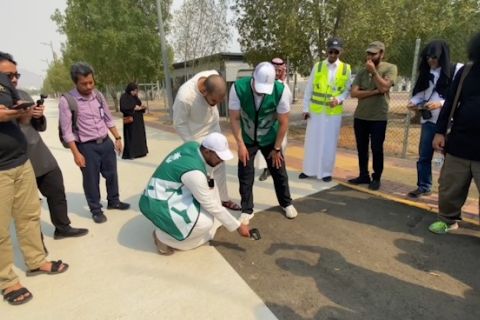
(237,133)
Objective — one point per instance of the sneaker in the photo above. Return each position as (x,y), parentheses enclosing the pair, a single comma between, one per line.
(245,217)
(290,211)
(360,180)
(264,176)
(417,193)
(440,227)
(327,179)
(303,176)
(374,185)
(99,217)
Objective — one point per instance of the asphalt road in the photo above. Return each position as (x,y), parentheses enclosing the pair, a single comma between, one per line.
(350,255)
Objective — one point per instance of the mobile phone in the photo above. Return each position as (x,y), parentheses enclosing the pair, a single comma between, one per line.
(23,105)
(255,234)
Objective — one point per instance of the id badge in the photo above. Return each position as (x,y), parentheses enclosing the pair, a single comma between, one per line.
(102,113)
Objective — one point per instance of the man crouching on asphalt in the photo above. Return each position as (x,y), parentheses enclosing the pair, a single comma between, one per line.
(181,199)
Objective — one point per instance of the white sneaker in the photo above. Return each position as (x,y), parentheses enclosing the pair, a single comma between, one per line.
(245,218)
(290,211)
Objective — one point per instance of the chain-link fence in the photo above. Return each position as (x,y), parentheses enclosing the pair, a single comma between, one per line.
(403,131)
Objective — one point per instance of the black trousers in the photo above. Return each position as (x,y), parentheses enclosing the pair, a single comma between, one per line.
(246,176)
(51,187)
(100,159)
(366,131)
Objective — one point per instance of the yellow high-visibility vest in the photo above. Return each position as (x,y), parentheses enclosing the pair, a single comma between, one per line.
(323,91)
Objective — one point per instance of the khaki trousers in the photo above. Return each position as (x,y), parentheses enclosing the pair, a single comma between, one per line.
(455,179)
(19,201)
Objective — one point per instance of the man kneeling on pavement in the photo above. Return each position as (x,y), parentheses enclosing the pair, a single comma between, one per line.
(181,199)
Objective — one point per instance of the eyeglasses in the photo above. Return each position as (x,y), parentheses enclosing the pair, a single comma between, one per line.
(12,75)
(432,57)
(333,52)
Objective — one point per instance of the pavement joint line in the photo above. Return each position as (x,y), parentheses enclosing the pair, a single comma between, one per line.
(410,203)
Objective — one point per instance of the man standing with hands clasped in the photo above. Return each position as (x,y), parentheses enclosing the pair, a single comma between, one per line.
(92,149)
(328,86)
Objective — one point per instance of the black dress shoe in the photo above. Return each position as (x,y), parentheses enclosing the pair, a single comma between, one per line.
(360,180)
(99,217)
(303,176)
(119,206)
(327,179)
(69,233)
(374,185)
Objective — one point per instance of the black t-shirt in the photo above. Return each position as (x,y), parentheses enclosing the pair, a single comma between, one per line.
(13,145)
(464,138)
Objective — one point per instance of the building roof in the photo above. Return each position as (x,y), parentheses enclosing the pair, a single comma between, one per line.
(230,56)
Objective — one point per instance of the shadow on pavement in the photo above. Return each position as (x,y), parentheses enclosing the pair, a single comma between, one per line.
(350,255)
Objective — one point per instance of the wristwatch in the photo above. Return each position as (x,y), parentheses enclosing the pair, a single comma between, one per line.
(118,138)
(277,149)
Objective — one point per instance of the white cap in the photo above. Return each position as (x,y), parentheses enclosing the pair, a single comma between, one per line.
(218,143)
(264,76)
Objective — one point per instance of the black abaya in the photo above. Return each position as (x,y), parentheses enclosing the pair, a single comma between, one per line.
(133,133)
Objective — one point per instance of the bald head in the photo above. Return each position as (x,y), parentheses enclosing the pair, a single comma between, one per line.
(213,88)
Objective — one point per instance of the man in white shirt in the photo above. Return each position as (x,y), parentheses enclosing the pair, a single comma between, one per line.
(195,115)
(182,201)
(328,86)
(259,108)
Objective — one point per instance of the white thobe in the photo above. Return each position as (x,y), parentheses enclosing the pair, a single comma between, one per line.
(322,132)
(212,214)
(194,119)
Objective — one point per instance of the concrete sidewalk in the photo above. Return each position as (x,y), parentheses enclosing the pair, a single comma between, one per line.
(115,272)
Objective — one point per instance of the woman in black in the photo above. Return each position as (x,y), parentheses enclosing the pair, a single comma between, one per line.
(133,125)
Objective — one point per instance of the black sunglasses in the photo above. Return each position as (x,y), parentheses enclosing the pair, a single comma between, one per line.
(432,57)
(333,52)
(12,75)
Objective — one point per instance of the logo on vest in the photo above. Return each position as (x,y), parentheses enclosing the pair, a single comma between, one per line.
(173,157)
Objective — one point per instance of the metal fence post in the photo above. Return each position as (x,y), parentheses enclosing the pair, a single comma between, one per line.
(413,79)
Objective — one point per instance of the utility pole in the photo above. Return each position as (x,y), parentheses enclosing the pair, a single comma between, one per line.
(166,70)
(50,44)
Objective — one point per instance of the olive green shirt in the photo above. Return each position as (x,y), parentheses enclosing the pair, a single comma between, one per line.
(374,107)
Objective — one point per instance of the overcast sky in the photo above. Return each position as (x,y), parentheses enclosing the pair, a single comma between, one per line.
(25,24)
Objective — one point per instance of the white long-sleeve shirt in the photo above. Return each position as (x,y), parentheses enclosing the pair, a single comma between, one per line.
(197,183)
(430,95)
(332,71)
(193,117)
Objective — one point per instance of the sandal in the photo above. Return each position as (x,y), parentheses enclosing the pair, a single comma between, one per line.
(162,248)
(55,269)
(12,296)
(231,205)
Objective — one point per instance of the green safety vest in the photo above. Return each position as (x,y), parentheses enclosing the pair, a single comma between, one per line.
(323,91)
(258,127)
(166,201)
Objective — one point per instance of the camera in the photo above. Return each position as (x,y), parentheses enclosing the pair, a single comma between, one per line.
(424,111)
(42,99)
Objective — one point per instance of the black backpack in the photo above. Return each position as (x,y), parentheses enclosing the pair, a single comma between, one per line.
(72,104)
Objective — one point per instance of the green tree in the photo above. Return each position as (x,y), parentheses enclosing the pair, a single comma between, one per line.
(199,29)
(117,37)
(298,29)
(57,79)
